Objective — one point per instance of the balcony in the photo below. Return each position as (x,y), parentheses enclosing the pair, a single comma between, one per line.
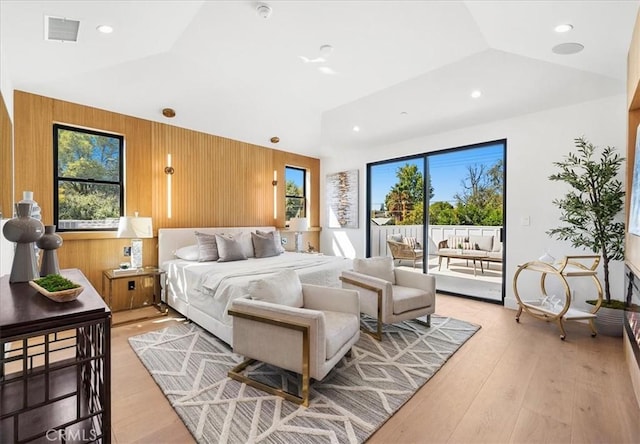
(459,277)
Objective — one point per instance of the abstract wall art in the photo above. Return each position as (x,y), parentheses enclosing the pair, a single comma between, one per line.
(342,199)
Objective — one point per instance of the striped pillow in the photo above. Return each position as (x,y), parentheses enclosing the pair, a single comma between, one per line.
(411,241)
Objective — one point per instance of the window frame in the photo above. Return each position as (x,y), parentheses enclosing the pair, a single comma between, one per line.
(56,178)
(304,190)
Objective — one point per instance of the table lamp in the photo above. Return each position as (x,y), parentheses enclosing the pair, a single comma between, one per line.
(135,228)
(298,225)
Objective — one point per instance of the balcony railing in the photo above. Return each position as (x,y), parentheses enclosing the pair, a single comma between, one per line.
(436,233)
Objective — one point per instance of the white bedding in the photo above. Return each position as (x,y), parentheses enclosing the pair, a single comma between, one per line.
(211,286)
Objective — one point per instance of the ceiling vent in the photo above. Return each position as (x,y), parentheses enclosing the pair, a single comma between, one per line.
(61,29)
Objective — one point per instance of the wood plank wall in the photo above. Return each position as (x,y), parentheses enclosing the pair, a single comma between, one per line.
(6,162)
(632,245)
(217,181)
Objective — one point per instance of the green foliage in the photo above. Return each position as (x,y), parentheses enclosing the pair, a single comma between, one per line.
(415,215)
(294,206)
(590,210)
(406,193)
(480,201)
(55,282)
(87,158)
(442,213)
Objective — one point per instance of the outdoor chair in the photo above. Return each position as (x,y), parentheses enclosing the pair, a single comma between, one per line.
(391,294)
(303,328)
(403,248)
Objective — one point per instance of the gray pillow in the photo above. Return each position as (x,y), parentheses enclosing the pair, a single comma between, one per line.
(277,239)
(229,249)
(207,247)
(395,237)
(264,245)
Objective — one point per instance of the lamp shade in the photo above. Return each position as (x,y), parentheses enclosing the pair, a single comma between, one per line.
(135,227)
(298,224)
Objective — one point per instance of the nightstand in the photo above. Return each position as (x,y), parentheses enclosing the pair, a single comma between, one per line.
(135,288)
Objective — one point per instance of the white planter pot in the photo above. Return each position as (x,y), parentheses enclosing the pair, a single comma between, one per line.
(609,321)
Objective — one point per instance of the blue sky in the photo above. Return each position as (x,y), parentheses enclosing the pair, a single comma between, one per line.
(447,172)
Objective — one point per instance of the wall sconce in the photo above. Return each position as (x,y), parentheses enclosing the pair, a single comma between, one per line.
(274,182)
(168,170)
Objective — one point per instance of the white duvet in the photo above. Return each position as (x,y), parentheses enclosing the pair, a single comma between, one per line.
(211,286)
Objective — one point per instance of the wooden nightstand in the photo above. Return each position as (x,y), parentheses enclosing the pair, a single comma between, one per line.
(132,289)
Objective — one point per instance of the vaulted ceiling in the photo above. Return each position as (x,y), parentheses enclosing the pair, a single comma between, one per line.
(398,69)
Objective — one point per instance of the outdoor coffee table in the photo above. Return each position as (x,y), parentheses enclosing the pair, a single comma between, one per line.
(469,255)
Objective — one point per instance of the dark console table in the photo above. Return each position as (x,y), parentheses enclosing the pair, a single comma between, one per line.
(55,365)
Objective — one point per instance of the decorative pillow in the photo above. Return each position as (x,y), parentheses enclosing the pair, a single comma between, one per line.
(282,288)
(263,245)
(481,242)
(244,238)
(229,249)
(458,242)
(189,253)
(207,247)
(380,267)
(395,237)
(277,239)
(411,241)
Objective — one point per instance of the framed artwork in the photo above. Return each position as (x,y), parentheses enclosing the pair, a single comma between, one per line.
(634,210)
(342,199)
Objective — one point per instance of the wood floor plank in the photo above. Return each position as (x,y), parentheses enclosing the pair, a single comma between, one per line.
(511,382)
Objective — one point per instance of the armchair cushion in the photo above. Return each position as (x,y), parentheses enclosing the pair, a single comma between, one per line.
(380,267)
(407,299)
(339,327)
(282,288)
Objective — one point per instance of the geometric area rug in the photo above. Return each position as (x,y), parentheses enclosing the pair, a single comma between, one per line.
(362,392)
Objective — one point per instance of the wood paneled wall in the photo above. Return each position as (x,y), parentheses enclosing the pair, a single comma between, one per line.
(632,245)
(6,162)
(217,181)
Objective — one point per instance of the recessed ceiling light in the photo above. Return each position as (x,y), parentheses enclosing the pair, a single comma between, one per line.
(105,29)
(404,113)
(356,129)
(475,94)
(566,27)
(567,48)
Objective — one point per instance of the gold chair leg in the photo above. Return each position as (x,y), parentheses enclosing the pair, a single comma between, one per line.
(236,374)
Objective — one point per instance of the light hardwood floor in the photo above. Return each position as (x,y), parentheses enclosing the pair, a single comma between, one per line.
(516,383)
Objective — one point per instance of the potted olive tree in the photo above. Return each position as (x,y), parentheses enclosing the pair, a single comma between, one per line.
(591,213)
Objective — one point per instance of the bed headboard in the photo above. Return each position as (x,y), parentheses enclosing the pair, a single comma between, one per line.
(170,239)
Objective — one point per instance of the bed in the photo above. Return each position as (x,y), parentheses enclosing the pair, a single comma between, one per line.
(203,291)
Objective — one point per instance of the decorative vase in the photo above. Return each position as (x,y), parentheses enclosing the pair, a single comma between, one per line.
(27,197)
(49,243)
(24,230)
(610,321)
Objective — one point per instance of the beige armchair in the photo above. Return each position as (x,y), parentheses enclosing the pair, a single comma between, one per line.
(391,294)
(309,335)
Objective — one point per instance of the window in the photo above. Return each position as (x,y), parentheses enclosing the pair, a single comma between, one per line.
(88,179)
(295,192)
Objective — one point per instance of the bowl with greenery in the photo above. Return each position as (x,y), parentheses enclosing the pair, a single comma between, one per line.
(57,288)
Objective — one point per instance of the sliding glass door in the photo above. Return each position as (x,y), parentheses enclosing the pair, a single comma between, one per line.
(446,208)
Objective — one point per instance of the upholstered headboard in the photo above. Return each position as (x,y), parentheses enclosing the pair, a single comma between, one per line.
(170,239)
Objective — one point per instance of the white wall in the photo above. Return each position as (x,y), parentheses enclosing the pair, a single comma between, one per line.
(534,141)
